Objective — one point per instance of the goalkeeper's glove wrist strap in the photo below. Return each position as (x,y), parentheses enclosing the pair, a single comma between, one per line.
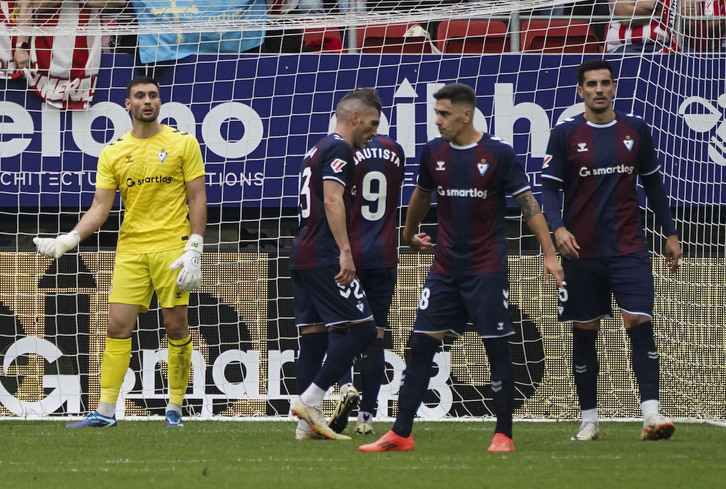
(195,243)
(76,237)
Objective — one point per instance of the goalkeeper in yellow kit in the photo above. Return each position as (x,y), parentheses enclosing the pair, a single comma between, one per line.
(160,175)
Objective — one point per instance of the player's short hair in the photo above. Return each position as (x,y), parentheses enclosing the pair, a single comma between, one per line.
(355,98)
(592,65)
(140,80)
(457,93)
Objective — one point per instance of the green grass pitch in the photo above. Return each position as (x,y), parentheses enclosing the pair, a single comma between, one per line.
(448,455)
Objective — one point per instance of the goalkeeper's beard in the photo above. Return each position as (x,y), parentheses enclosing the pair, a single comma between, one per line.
(149,118)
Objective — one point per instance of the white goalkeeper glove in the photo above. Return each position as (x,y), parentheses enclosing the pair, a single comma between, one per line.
(56,247)
(190,276)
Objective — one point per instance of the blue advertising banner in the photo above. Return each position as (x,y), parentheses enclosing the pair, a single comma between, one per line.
(256,116)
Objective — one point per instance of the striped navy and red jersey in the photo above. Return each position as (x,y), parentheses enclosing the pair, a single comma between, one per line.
(376,186)
(597,166)
(314,245)
(471,184)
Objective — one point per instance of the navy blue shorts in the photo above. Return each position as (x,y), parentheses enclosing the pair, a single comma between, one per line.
(379,284)
(585,295)
(318,299)
(447,304)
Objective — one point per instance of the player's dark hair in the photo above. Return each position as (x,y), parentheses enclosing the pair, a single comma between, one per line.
(592,65)
(140,80)
(457,93)
(365,96)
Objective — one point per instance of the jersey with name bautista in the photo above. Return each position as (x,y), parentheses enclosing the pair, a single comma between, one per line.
(597,167)
(151,175)
(314,245)
(376,180)
(471,184)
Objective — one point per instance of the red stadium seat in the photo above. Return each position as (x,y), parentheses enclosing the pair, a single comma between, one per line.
(326,40)
(389,39)
(558,36)
(472,36)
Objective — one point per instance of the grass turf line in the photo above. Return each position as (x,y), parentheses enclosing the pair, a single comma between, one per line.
(266,455)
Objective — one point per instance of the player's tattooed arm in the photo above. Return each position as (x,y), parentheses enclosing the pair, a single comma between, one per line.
(529,205)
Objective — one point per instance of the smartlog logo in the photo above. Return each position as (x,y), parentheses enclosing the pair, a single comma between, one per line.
(701,116)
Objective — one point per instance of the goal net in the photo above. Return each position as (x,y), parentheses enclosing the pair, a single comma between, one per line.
(257,85)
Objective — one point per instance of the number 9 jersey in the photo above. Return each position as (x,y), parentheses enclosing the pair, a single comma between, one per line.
(376,180)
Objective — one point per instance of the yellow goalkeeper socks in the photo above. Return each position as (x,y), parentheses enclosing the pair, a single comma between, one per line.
(115,363)
(180,360)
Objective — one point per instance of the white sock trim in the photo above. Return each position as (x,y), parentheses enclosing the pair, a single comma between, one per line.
(106,409)
(313,396)
(590,416)
(174,407)
(649,407)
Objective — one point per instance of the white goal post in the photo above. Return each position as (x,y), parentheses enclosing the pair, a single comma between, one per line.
(257,112)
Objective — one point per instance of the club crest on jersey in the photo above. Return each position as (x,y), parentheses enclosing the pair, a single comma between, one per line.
(440,166)
(582,147)
(162,155)
(360,306)
(482,167)
(628,143)
(546,161)
(338,164)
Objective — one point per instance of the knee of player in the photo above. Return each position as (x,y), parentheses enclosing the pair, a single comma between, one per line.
(365,331)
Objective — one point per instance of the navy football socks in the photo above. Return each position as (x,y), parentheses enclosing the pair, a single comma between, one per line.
(585,366)
(415,381)
(645,359)
(372,368)
(343,347)
(502,377)
(312,352)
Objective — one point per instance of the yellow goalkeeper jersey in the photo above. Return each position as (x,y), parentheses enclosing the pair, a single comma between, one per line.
(151,175)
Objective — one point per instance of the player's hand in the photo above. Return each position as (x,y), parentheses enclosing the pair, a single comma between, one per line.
(566,243)
(347,270)
(551,265)
(190,262)
(673,253)
(56,247)
(420,242)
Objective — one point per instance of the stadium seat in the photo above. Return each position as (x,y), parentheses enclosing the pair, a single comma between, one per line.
(326,40)
(558,36)
(472,36)
(390,39)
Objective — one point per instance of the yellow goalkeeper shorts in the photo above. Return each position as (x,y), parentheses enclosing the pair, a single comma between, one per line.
(136,277)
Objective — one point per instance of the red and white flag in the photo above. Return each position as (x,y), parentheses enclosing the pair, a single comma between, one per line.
(63,68)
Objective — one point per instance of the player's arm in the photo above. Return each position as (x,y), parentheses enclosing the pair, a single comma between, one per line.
(335,214)
(658,202)
(566,242)
(197,199)
(532,215)
(93,219)
(418,206)
(190,262)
